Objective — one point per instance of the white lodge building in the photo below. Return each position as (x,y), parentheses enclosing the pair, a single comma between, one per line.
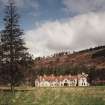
(60,81)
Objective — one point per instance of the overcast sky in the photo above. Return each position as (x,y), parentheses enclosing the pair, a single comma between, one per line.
(60,25)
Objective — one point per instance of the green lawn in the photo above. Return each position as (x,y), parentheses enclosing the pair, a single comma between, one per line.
(55,96)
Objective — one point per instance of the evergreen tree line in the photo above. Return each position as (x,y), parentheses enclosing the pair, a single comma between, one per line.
(61,70)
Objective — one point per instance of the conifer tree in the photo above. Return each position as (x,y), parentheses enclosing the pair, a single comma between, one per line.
(13,46)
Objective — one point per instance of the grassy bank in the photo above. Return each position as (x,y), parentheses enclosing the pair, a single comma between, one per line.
(55,96)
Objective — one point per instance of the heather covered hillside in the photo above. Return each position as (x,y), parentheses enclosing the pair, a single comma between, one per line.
(94,57)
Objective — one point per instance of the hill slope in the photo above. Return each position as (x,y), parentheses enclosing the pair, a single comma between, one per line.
(94,57)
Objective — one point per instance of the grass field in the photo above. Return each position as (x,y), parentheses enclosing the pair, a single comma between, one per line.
(55,96)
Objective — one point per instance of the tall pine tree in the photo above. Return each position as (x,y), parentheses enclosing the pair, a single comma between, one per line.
(13,48)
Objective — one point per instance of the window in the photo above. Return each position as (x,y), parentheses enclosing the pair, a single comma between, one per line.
(66,84)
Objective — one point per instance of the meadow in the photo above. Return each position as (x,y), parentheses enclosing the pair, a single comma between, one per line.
(55,96)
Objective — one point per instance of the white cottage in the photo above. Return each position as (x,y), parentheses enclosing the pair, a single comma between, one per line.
(82,80)
(60,81)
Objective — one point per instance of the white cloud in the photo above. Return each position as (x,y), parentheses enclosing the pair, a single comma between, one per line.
(77,33)
(84,6)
